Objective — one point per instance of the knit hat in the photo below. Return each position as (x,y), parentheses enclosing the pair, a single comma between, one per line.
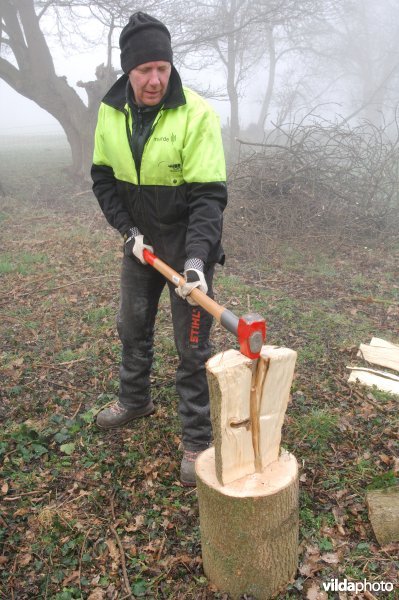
(144,39)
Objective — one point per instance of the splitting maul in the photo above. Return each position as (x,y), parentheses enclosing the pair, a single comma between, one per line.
(250,329)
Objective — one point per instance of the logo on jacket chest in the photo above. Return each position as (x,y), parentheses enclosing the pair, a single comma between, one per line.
(165,138)
(175,168)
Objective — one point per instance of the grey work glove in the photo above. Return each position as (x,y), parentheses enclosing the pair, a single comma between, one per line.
(194,276)
(134,245)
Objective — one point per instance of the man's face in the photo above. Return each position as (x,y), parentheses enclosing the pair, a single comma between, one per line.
(150,81)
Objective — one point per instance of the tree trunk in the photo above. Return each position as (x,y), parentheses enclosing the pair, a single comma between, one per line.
(35,78)
(270,81)
(76,119)
(249,528)
(231,83)
(81,143)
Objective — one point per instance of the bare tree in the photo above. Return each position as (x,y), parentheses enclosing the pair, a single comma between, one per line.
(27,65)
(372,56)
(351,57)
(218,33)
(242,36)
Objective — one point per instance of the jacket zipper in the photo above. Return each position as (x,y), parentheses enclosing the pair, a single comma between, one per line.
(129,136)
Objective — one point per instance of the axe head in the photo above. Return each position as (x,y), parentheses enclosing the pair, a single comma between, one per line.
(251,333)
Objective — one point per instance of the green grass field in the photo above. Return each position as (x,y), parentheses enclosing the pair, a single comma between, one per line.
(70,494)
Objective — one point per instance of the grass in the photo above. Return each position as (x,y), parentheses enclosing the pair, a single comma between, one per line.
(317,428)
(65,485)
(23,263)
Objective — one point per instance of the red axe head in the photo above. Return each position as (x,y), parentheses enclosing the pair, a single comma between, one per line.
(251,333)
(250,329)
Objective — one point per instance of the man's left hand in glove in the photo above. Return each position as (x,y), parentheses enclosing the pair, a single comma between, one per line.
(195,278)
(134,245)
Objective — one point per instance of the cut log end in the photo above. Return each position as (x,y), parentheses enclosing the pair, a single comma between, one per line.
(275,477)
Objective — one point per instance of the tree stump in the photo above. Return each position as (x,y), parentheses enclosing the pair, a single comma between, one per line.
(249,528)
(383,508)
(247,491)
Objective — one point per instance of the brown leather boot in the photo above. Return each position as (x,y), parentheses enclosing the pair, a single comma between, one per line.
(187,468)
(118,415)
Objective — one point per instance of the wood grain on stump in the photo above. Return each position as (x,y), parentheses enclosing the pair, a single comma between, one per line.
(249,527)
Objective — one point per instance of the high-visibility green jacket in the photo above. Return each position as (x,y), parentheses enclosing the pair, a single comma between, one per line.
(178,196)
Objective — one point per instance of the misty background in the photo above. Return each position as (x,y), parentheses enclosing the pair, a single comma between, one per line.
(307,90)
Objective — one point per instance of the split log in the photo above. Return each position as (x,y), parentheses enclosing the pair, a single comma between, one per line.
(247,405)
(383,343)
(380,352)
(385,382)
(383,508)
(249,528)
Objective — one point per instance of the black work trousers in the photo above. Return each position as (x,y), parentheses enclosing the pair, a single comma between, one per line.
(141,287)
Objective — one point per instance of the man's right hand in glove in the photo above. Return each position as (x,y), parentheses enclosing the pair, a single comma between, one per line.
(134,245)
(195,278)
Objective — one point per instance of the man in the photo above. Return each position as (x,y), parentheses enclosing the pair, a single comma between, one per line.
(159,176)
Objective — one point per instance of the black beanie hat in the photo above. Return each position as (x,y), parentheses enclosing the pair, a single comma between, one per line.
(144,39)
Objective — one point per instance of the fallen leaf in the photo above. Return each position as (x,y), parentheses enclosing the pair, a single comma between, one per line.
(138,523)
(25,559)
(97,594)
(4,489)
(315,593)
(153,546)
(68,449)
(356,508)
(21,512)
(112,549)
(341,493)
(72,577)
(385,459)
(331,558)
(310,565)
(306,569)
(114,553)
(339,515)
(313,550)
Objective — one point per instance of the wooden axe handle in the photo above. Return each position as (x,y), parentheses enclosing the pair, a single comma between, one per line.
(250,329)
(212,307)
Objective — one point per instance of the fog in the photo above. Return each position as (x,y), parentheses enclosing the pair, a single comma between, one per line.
(260,64)
(22,116)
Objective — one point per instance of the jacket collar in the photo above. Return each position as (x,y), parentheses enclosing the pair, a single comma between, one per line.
(116,96)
